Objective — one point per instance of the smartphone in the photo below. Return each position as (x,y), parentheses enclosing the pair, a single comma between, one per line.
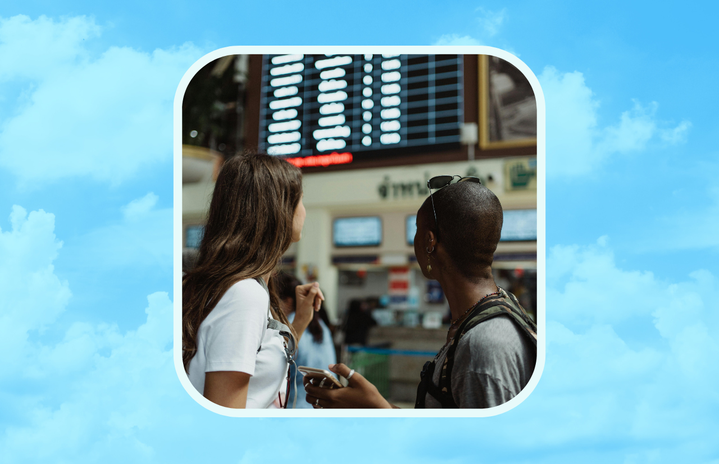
(320,377)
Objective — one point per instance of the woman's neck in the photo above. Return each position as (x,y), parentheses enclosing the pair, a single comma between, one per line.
(462,294)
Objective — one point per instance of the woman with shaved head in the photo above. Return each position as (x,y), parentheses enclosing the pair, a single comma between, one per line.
(491,343)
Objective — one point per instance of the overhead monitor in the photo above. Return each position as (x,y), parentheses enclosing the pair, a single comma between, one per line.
(411,228)
(519,224)
(193,236)
(357,231)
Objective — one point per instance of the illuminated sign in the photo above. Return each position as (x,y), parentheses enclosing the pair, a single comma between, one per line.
(322,160)
(365,106)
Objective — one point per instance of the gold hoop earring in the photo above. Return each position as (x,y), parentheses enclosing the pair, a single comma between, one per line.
(429,266)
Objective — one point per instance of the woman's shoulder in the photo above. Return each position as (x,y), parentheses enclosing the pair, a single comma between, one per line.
(493,339)
(246,291)
(247,285)
(244,304)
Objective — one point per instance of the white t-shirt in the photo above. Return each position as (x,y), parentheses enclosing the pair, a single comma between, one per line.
(229,339)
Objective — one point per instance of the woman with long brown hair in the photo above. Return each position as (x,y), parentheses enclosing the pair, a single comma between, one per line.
(236,345)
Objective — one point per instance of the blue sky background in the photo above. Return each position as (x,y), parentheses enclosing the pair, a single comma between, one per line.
(86,94)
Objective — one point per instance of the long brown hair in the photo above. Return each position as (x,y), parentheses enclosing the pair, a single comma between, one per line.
(249,228)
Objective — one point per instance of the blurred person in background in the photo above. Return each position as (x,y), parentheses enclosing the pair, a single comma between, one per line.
(491,346)
(358,322)
(236,343)
(316,349)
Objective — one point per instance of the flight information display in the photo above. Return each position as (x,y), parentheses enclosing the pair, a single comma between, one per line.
(357,231)
(519,224)
(332,109)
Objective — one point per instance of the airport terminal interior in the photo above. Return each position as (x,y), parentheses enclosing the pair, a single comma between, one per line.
(368,131)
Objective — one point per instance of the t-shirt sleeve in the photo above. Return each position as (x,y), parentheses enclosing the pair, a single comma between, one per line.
(479,390)
(236,328)
(490,365)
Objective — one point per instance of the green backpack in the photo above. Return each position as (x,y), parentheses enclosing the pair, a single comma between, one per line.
(504,304)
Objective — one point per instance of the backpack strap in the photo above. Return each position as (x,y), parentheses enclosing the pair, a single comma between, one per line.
(503,304)
(427,386)
(291,351)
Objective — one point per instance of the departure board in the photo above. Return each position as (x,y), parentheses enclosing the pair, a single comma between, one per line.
(337,108)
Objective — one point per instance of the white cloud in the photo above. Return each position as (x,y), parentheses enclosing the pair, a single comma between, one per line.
(109,401)
(693,225)
(140,237)
(32,295)
(32,49)
(94,389)
(140,207)
(588,278)
(577,144)
(104,117)
(677,134)
(489,25)
(456,39)
(490,22)
(635,128)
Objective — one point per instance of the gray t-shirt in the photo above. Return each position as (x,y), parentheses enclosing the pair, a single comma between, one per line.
(492,364)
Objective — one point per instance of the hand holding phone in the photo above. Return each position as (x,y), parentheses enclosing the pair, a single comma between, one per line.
(359,393)
(319,377)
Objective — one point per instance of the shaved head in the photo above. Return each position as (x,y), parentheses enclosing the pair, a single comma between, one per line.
(470,224)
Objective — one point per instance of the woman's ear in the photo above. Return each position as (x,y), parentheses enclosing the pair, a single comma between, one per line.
(430,241)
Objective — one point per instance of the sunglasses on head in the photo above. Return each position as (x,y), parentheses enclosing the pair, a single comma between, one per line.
(438,182)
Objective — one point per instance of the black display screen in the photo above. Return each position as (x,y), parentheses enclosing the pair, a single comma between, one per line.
(356,107)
